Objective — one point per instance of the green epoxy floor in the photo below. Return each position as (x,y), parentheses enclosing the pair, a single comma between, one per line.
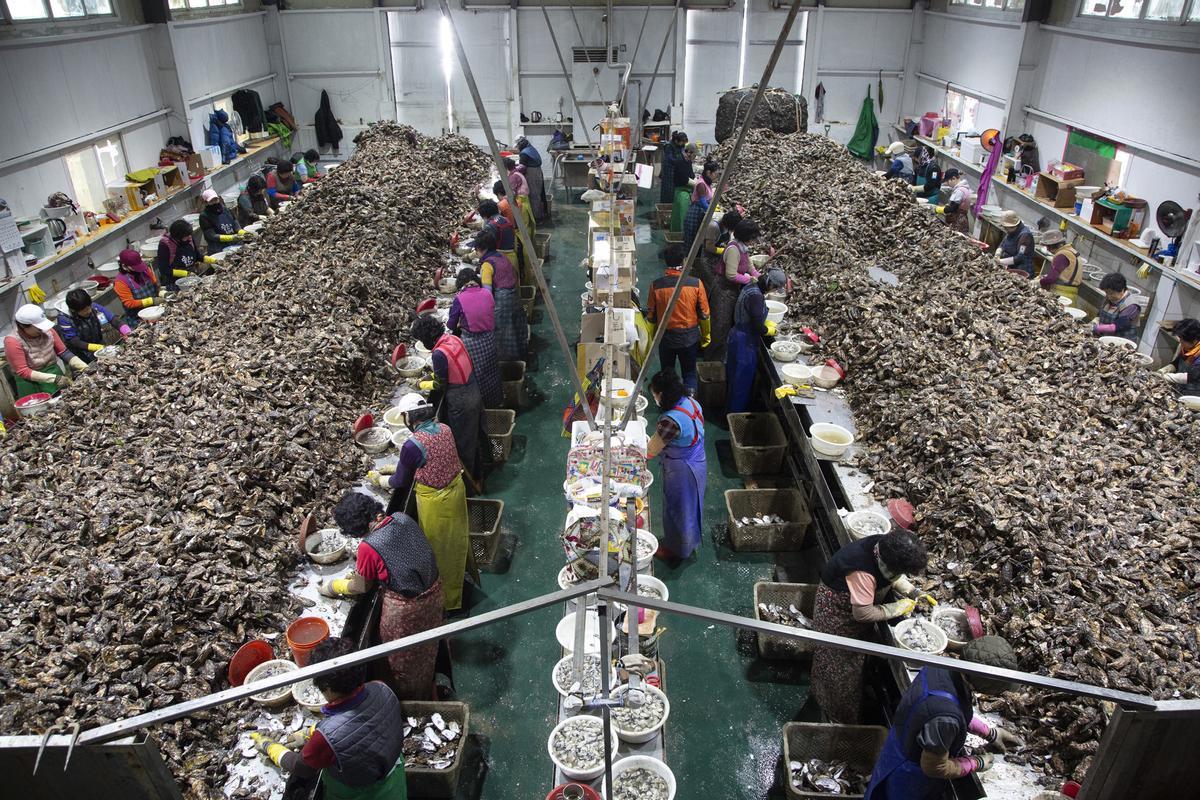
(728,707)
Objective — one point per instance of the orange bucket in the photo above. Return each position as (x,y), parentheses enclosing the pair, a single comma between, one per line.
(303,635)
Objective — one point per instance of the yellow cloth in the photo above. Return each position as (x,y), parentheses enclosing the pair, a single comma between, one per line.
(443,517)
(142,175)
(1066,291)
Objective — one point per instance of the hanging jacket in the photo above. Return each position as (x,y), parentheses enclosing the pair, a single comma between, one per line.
(279,113)
(220,134)
(866,130)
(248,105)
(328,130)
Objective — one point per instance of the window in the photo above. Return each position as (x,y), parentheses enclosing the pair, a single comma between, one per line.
(1152,10)
(997,5)
(92,169)
(25,10)
(962,110)
(183,5)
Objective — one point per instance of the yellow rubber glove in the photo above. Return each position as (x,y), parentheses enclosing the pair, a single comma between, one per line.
(1144,271)
(36,294)
(880,149)
(209,260)
(241,233)
(720,251)
(226,238)
(900,608)
(705,333)
(377,479)
(939,210)
(425,386)
(94,348)
(387,469)
(271,749)
(770,328)
(180,273)
(147,302)
(300,737)
(785,391)
(928,599)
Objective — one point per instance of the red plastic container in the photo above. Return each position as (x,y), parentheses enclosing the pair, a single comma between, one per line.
(303,635)
(588,792)
(248,656)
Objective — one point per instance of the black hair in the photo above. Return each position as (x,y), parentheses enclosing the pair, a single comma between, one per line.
(1113,282)
(297,158)
(285,166)
(355,512)
(746,231)
(679,137)
(78,300)
(180,229)
(673,256)
(903,553)
(485,240)
(522,143)
(256,185)
(347,679)
(312,155)
(711,166)
(427,329)
(466,277)
(488,209)
(730,220)
(509,164)
(1186,329)
(498,190)
(951,174)
(669,385)
(415,416)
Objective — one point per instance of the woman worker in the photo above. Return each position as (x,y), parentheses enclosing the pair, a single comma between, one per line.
(455,375)
(929,174)
(498,275)
(136,285)
(750,323)
(679,437)
(217,224)
(1184,369)
(429,461)
(701,198)
(282,184)
(394,554)
(33,350)
(685,179)
(253,204)
(955,210)
(82,328)
(531,160)
(177,254)
(1119,315)
(1065,273)
(357,745)
(924,748)
(502,230)
(1016,248)
(473,319)
(671,156)
(853,583)
(520,187)
(735,272)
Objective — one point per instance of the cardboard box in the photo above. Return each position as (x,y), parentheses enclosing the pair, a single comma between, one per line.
(174,178)
(210,156)
(127,193)
(588,353)
(1064,170)
(1055,191)
(195,166)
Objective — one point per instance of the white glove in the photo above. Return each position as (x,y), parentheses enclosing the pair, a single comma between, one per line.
(904,587)
(41,377)
(1177,377)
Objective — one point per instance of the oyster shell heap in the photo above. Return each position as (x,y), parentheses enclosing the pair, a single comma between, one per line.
(1056,474)
(145,522)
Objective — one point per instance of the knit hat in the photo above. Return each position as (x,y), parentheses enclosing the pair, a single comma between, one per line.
(993,651)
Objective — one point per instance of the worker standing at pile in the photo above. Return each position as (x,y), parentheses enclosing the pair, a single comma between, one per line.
(217,224)
(1119,315)
(672,155)
(33,351)
(501,228)
(136,285)
(429,463)
(735,273)
(454,375)
(1065,273)
(955,210)
(1016,248)
(689,330)
(82,327)
(357,745)
(473,319)
(531,160)
(750,324)
(253,203)
(853,584)
(679,437)
(177,254)
(394,554)
(924,748)
(685,179)
(520,187)
(702,197)
(1184,369)
(498,275)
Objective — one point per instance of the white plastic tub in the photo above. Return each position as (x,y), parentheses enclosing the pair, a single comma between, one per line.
(645,762)
(641,737)
(576,774)
(565,633)
(829,439)
(776,311)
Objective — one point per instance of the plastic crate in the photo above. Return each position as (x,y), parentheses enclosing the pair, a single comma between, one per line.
(858,745)
(711,391)
(427,782)
(672,237)
(803,596)
(498,424)
(528,295)
(662,214)
(541,242)
(787,503)
(758,441)
(512,378)
(483,522)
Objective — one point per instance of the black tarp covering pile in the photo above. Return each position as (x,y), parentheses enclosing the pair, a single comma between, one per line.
(780,111)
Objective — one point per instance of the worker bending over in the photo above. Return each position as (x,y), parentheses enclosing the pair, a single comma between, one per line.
(902,162)
(282,184)
(498,275)
(394,554)
(689,330)
(1184,369)
(217,224)
(928,175)
(1065,273)
(33,351)
(253,203)
(750,324)
(177,254)
(1016,248)
(82,327)
(1119,315)
(136,285)
(924,748)
(955,210)
(473,319)
(357,746)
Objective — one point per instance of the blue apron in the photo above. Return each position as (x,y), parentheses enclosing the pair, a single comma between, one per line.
(685,473)
(741,357)
(895,777)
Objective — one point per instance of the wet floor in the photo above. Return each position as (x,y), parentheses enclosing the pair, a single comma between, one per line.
(728,707)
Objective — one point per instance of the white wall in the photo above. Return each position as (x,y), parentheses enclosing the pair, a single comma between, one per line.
(711,66)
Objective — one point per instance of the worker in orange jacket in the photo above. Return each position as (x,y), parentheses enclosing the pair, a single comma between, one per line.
(689,330)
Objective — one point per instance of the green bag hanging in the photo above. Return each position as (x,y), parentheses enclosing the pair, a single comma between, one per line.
(866,132)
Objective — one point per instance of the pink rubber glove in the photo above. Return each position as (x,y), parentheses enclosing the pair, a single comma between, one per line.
(969,764)
(755,273)
(124,330)
(980,728)
(1104,329)
(743,278)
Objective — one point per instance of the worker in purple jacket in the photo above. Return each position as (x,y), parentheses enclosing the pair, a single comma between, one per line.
(473,319)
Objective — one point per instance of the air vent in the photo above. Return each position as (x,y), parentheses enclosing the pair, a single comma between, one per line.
(591,55)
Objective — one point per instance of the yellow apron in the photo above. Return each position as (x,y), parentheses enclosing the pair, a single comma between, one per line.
(443,516)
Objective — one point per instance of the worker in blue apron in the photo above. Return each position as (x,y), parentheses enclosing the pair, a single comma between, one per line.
(750,324)
(924,748)
(679,436)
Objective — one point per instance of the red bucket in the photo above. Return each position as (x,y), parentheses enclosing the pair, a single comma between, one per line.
(303,635)
(248,656)
(588,793)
